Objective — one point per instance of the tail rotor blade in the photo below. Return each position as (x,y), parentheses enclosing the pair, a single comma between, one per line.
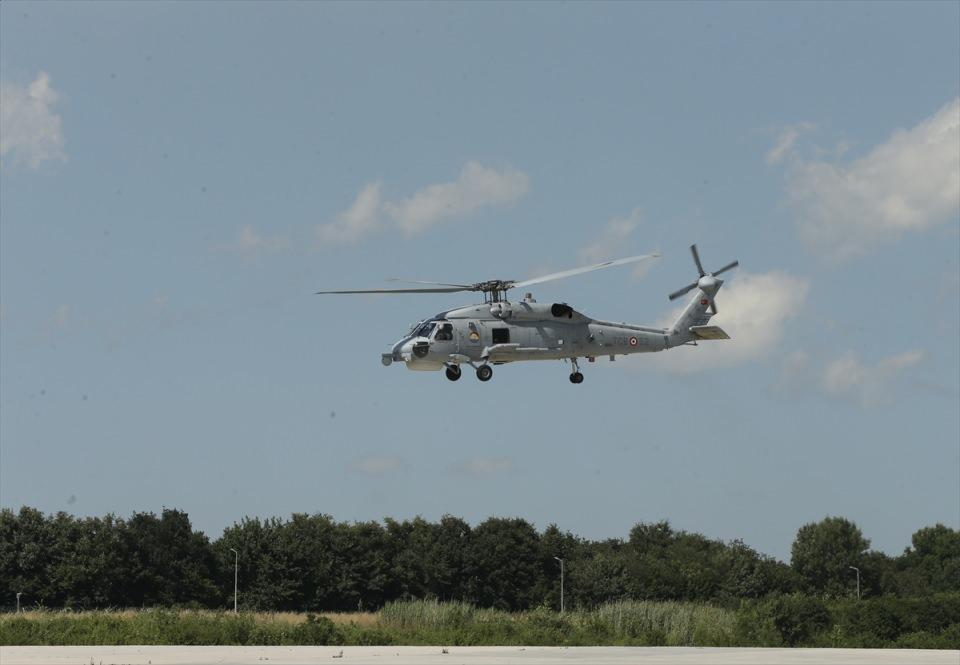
(683,291)
(696,259)
(713,307)
(727,267)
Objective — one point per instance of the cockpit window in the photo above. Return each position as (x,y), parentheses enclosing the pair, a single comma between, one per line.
(444,332)
(561,309)
(425,329)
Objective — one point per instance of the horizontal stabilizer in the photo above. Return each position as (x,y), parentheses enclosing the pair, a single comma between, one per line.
(709,332)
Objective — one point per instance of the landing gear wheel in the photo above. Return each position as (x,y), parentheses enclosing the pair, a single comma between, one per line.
(484,372)
(454,372)
(576,377)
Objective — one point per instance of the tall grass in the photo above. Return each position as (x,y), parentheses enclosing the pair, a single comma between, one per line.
(626,622)
(413,622)
(162,627)
(778,621)
(678,624)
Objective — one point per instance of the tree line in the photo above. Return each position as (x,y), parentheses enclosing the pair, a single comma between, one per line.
(315,563)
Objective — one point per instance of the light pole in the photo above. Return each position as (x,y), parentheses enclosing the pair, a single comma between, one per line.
(236,563)
(561,582)
(19,593)
(858,580)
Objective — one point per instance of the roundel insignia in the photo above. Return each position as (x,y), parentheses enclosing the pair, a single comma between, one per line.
(633,341)
(474,336)
(704,301)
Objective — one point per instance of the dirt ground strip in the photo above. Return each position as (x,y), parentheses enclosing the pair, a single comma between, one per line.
(178,655)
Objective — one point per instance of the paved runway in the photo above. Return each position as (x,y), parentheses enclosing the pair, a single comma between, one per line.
(165,655)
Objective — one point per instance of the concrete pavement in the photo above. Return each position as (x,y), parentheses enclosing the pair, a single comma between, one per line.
(215,655)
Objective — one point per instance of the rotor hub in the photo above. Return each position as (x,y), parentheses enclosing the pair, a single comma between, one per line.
(709,283)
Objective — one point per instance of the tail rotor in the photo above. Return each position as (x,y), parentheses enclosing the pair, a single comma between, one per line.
(708,282)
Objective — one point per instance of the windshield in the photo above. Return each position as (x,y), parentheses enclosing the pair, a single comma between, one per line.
(425,329)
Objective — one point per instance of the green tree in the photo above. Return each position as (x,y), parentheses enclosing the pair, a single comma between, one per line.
(362,561)
(505,560)
(26,553)
(599,576)
(553,544)
(92,562)
(170,563)
(664,564)
(933,563)
(428,558)
(749,574)
(823,552)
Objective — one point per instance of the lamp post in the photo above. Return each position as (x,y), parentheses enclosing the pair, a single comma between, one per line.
(236,563)
(858,580)
(561,582)
(19,593)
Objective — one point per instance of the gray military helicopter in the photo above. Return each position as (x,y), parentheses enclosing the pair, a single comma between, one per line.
(498,331)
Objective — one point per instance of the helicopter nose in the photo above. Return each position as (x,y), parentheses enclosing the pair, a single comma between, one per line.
(421,348)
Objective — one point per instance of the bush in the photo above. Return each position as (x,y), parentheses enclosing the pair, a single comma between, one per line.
(316,631)
(781,621)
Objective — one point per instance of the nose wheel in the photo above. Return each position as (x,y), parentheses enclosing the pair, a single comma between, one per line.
(484,372)
(454,372)
(575,376)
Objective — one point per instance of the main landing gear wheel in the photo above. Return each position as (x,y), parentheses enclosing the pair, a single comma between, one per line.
(484,372)
(575,376)
(453,372)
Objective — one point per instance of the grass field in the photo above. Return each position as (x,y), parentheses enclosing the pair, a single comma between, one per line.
(627,623)
(413,623)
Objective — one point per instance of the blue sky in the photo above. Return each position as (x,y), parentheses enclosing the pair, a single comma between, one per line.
(177,179)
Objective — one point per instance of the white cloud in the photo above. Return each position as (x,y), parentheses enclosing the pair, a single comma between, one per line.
(360,220)
(476,187)
(377,465)
(785,142)
(909,183)
(485,466)
(30,131)
(850,378)
(609,243)
(251,242)
(754,310)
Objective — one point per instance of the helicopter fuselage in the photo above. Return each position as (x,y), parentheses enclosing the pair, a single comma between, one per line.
(504,332)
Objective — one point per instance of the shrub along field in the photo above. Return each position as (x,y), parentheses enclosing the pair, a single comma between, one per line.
(787,620)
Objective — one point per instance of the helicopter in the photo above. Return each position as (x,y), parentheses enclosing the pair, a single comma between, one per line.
(499,331)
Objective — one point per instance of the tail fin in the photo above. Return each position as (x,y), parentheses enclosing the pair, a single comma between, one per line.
(695,314)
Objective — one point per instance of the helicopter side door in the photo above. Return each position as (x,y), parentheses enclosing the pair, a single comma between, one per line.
(445,339)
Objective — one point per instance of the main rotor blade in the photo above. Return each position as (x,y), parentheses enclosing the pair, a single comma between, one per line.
(417,281)
(438,290)
(727,267)
(580,271)
(684,290)
(696,259)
